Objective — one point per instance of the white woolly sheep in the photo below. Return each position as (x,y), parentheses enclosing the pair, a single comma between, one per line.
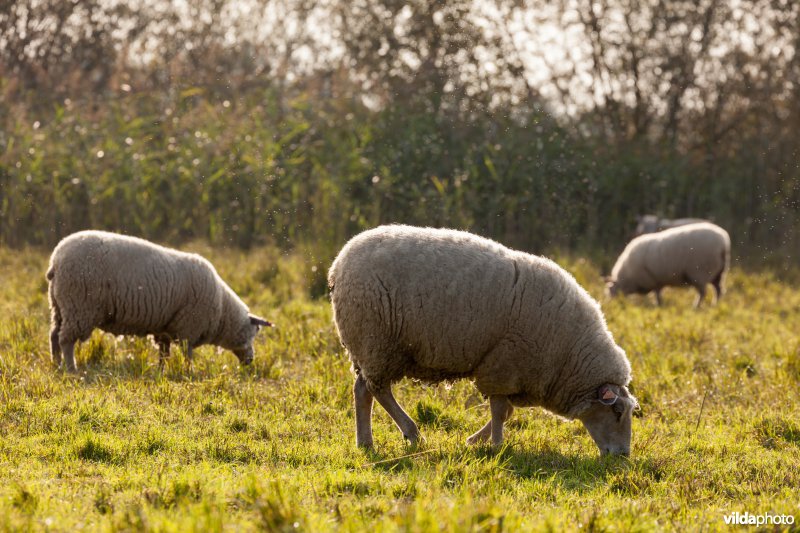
(652,223)
(129,286)
(694,254)
(438,304)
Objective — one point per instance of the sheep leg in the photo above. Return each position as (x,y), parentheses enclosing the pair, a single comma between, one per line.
(400,417)
(482,434)
(55,326)
(68,335)
(55,347)
(362,399)
(717,291)
(717,284)
(68,349)
(658,297)
(501,409)
(701,293)
(485,432)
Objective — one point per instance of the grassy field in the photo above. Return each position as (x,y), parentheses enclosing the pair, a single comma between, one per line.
(127,446)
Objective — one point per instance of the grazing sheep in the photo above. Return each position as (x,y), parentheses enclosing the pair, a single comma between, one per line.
(129,286)
(694,254)
(438,304)
(652,223)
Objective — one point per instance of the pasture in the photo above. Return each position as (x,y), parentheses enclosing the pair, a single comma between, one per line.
(126,445)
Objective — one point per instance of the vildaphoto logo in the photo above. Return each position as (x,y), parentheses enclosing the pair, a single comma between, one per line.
(747,519)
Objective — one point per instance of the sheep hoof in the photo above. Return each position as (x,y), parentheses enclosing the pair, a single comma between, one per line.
(413,439)
(476,439)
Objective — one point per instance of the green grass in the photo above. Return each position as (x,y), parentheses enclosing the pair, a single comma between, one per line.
(127,446)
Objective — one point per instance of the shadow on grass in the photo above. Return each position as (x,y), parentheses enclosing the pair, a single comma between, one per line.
(575,472)
(142,364)
(584,472)
(399,463)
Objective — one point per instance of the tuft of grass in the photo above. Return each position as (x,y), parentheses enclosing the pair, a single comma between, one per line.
(773,431)
(127,445)
(94,448)
(24,499)
(103,500)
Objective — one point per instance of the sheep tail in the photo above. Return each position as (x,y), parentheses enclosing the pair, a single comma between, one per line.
(55,311)
(726,260)
(726,263)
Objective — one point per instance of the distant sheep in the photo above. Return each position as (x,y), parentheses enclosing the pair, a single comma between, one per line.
(694,254)
(438,304)
(652,223)
(129,286)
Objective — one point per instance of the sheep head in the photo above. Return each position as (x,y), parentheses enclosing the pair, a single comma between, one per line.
(612,288)
(243,343)
(608,419)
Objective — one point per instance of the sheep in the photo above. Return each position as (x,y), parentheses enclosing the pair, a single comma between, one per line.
(652,223)
(694,254)
(130,286)
(440,304)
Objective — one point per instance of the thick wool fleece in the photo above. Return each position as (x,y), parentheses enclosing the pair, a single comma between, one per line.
(693,254)
(437,304)
(129,286)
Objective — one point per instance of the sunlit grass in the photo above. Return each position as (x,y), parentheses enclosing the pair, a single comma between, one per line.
(126,445)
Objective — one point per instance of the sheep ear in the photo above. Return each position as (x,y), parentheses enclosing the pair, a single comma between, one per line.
(630,398)
(606,396)
(258,321)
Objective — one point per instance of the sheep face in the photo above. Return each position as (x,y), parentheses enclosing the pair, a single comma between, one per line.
(245,355)
(612,288)
(622,286)
(608,419)
(242,343)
